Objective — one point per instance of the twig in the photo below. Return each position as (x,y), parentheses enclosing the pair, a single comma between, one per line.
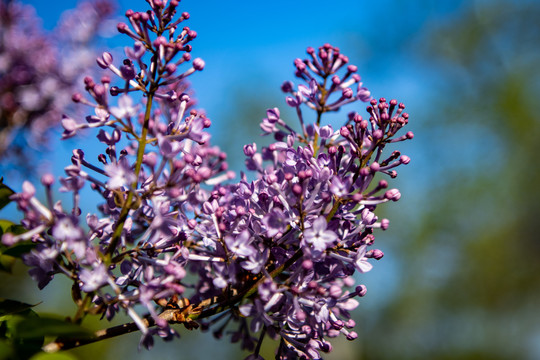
(64,344)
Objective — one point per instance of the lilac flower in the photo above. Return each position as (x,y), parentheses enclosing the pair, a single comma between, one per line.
(169,148)
(255,262)
(93,279)
(240,245)
(135,52)
(258,313)
(101,116)
(66,230)
(125,108)
(363,93)
(308,92)
(42,261)
(275,221)
(317,235)
(326,132)
(109,139)
(368,217)
(120,175)
(273,115)
(361,262)
(250,149)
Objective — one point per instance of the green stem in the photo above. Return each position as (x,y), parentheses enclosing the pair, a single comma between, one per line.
(144,134)
(261,338)
(81,311)
(334,209)
(138,164)
(316,136)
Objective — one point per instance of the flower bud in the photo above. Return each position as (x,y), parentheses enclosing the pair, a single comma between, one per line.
(404,159)
(392,194)
(198,64)
(361,290)
(47,179)
(76,97)
(105,60)
(250,149)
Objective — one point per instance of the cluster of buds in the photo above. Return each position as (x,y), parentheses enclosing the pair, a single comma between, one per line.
(275,255)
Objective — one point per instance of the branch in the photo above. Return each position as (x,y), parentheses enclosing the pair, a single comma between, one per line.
(171,315)
(185,315)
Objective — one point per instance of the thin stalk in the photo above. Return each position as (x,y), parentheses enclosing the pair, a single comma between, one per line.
(138,164)
(316,136)
(81,310)
(259,343)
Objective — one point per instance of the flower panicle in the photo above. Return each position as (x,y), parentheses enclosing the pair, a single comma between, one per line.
(276,254)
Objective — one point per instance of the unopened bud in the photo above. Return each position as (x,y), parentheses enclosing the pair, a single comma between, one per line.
(198,64)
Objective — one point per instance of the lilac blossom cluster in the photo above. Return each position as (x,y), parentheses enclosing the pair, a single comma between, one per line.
(273,256)
(36,90)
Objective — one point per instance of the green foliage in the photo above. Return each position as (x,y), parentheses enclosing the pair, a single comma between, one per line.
(6,263)
(19,249)
(15,346)
(5,193)
(8,255)
(22,331)
(53,356)
(11,307)
(7,226)
(38,327)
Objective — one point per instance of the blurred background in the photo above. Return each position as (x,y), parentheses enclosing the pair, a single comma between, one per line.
(461,274)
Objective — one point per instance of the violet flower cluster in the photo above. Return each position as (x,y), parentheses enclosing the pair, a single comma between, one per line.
(274,256)
(39,72)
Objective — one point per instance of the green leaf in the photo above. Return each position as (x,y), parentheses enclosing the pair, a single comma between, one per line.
(6,350)
(20,249)
(9,307)
(5,193)
(6,263)
(16,229)
(53,356)
(8,255)
(49,326)
(5,224)
(23,348)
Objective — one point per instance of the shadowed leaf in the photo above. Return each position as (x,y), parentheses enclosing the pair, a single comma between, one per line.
(5,193)
(8,307)
(50,326)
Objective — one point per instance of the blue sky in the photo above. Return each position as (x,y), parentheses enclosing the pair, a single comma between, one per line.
(251,40)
